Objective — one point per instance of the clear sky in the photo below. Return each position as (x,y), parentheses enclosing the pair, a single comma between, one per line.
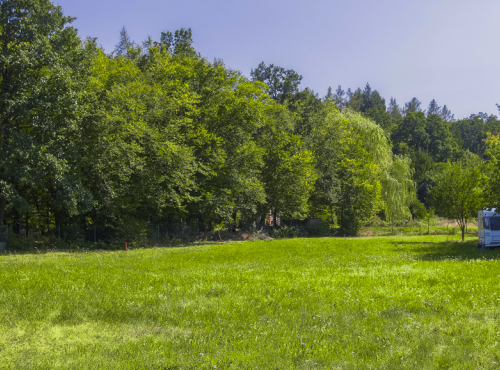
(432,49)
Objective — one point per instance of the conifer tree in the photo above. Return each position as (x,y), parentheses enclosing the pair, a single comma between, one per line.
(394,109)
(124,43)
(329,94)
(434,108)
(412,106)
(340,97)
(446,114)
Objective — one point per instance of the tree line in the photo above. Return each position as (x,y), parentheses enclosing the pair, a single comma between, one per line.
(154,132)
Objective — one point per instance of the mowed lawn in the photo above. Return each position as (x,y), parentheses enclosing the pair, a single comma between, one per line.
(419,302)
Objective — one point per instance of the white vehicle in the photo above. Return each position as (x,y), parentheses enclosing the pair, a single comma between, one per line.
(488,228)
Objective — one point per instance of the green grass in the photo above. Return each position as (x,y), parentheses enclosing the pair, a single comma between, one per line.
(414,302)
(420,230)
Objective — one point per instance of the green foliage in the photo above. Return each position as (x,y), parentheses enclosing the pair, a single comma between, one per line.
(492,169)
(412,131)
(393,172)
(43,73)
(289,232)
(442,146)
(471,133)
(418,210)
(288,173)
(125,44)
(413,106)
(358,174)
(179,42)
(282,83)
(155,133)
(459,192)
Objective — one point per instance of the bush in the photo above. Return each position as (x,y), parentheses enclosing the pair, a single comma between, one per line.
(417,210)
(15,242)
(349,224)
(322,229)
(289,232)
(375,221)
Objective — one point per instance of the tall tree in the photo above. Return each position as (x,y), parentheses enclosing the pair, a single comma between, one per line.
(124,43)
(42,72)
(394,109)
(395,114)
(492,168)
(340,97)
(412,106)
(458,193)
(412,131)
(377,111)
(446,114)
(356,100)
(442,145)
(348,95)
(471,133)
(367,93)
(329,94)
(283,83)
(434,108)
(183,42)
(309,111)
(393,172)
(358,175)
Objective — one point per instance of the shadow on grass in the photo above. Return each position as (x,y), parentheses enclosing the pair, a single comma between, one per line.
(8,251)
(446,250)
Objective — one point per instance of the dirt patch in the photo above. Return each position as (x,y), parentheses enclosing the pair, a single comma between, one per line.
(246,236)
(366,232)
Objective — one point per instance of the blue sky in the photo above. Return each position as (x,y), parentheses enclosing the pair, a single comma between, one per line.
(432,49)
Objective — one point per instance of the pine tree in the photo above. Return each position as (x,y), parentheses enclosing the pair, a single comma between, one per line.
(124,43)
(349,96)
(356,100)
(412,106)
(446,114)
(394,110)
(434,108)
(329,94)
(367,93)
(340,98)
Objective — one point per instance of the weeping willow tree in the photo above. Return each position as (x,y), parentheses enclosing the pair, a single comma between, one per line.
(359,175)
(394,172)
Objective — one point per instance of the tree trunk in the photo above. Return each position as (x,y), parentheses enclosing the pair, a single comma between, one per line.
(3,205)
(463,232)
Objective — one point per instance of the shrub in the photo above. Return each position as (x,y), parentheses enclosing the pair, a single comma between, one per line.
(417,210)
(288,232)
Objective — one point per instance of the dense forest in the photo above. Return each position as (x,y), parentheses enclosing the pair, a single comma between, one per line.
(154,133)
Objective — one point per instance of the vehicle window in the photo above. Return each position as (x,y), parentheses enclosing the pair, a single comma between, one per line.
(486,223)
(495,223)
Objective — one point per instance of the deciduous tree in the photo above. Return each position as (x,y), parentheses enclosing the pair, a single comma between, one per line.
(458,193)
(42,77)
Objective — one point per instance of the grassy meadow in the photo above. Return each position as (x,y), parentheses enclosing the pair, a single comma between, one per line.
(400,302)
